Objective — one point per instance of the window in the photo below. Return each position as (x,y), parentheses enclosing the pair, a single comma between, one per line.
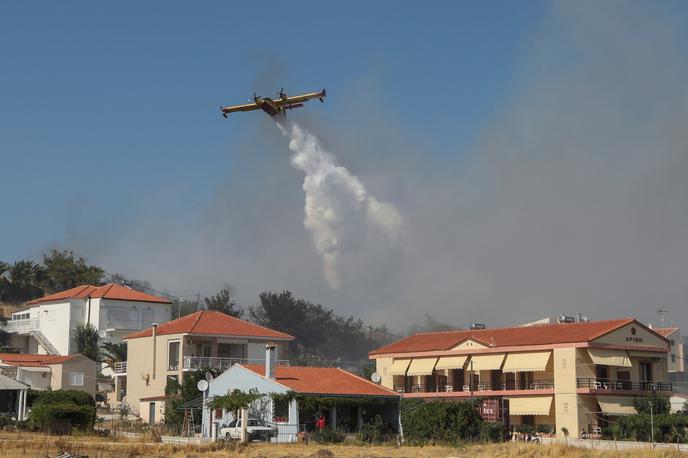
(673,358)
(672,342)
(173,355)
(76,379)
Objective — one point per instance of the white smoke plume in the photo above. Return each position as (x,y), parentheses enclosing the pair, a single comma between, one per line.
(341,216)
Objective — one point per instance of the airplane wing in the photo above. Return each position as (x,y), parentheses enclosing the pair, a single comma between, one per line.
(235,108)
(301,98)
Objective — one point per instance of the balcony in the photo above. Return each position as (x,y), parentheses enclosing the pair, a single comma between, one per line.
(192,363)
(120,368)
(476,388)
(126,325)
(21,326)
(603,384)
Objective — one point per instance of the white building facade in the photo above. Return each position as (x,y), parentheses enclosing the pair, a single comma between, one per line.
(47,325)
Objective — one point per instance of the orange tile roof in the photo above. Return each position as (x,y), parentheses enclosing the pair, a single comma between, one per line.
(323,380)
(543,334)
(27,359)
(213,323)
(664,331)
(109,291)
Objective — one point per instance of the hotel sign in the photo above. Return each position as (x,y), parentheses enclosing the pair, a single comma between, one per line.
(489,409)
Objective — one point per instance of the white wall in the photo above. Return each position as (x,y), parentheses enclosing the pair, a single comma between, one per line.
(54,321)
(36,380)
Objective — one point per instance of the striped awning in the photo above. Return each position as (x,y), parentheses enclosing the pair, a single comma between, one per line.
(530,405)
(451,362)
(399,366)
(605,357)
(534,361)
(421,366)
(491,362)
(616,405)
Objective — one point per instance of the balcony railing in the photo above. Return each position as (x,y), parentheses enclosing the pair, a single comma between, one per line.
(21,326)
(121,367)
(477,387)
(622,385)
(213,362)
(127,325)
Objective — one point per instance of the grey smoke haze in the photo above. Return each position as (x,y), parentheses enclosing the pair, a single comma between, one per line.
(574,198)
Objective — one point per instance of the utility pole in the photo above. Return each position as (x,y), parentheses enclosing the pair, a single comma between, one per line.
(652,426)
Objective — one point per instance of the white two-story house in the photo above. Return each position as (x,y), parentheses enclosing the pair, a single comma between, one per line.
(46,325)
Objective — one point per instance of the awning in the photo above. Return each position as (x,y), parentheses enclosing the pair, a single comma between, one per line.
(646,354)
(535,361)
(530,405)
(605,357)
(399,366)
(451,362)
(486,362)
(616,405)
(421,366)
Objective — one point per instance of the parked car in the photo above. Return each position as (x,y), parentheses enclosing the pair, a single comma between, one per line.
(257,430)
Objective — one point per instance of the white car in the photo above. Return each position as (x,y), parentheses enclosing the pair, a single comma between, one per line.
(257,430)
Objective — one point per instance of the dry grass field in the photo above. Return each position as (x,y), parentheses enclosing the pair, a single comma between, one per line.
(14,445)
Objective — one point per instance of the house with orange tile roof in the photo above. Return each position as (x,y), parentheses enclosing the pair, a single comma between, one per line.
(199,341)
(49,372)
(578,375)
(289,416)
(46,325)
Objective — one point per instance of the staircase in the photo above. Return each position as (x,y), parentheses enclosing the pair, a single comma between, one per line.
(44,342)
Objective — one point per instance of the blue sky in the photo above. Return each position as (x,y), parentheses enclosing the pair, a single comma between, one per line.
(103,104)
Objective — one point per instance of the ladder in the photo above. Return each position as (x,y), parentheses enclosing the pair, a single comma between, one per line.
(188,427)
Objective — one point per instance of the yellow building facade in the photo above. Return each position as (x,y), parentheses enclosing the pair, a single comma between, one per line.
(577,376)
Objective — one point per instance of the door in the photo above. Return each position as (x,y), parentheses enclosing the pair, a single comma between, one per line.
(151,413)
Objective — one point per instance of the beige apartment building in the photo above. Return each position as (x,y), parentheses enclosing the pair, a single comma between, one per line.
(573,375)
(202,340)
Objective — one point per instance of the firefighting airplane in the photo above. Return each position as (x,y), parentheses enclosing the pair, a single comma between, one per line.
(275,107)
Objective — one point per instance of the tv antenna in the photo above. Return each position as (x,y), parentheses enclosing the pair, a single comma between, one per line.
(661,311)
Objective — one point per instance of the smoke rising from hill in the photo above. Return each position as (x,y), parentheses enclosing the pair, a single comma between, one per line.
(342,217)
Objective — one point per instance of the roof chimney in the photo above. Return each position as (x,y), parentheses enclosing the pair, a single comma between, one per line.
(270,360)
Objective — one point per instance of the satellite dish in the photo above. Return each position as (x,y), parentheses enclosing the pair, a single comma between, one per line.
(202,385)
(375,377)
(102,334)
(209,377)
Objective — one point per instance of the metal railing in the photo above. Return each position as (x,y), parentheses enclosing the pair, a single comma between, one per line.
(127,325)
(622,385)
(21,326)
(216,362)
(120,367)
(477,387)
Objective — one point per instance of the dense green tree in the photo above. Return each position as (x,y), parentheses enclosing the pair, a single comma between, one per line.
(86,341)
(223,302)
(21,282)
(65,271)
(320,333)
(114,352)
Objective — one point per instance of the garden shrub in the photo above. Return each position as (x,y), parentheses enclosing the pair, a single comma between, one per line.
(376,431)
(440,422)
(327,436)
(61,410)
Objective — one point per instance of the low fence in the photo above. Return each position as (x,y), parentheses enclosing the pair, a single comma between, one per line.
(600,444)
